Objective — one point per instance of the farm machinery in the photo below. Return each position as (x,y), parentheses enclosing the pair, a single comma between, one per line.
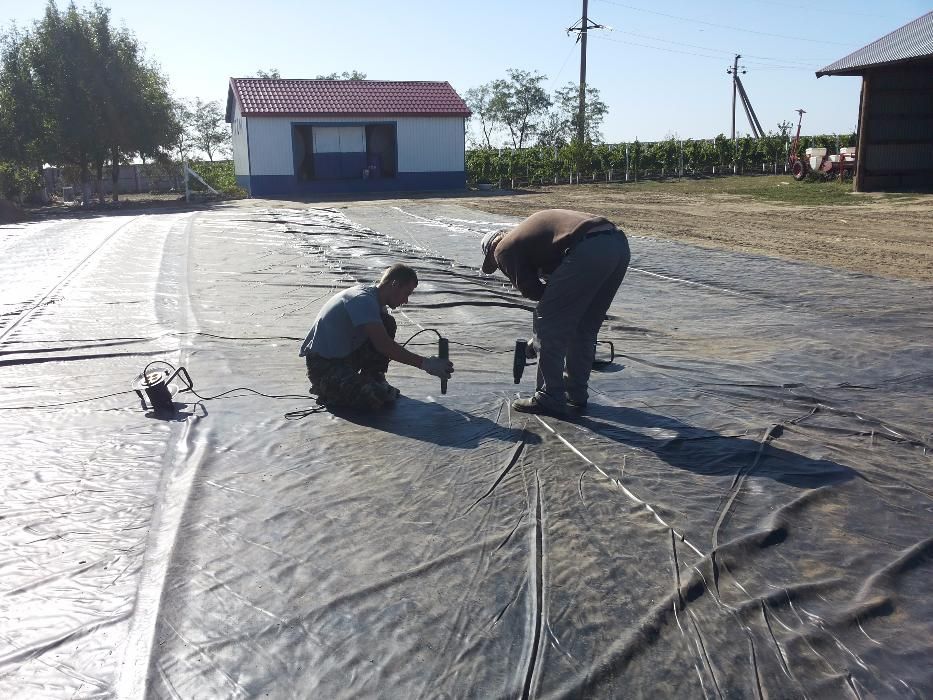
(817,161)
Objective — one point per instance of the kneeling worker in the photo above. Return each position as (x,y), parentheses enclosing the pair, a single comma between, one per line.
(352,341)
(584,258)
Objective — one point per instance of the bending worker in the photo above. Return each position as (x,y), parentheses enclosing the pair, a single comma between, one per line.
(349,347)
(583,258)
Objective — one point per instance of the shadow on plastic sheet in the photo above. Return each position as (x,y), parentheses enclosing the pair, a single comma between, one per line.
(707,452)
(428,421)
(196,410)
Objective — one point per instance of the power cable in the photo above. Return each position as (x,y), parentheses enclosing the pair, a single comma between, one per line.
(64,403)
(724,26)
(691,53)
(291,415)
(659,48)
(423,330)
(562,66)
(814,7)
(783,60)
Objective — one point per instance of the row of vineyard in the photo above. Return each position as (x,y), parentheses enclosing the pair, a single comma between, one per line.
(640,159)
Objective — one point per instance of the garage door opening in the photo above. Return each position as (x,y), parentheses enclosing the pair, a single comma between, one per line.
(381,154)
(343,152)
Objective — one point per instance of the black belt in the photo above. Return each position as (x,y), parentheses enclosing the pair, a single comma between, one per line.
(589,234)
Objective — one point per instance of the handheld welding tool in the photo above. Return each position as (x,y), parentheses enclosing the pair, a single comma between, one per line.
(519,360)
(524,352)
(443,352)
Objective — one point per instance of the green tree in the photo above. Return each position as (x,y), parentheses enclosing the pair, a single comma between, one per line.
(351,75)
(95,96)
(272,73)
(183,143)
(635,157)
(567,103)
(552,132)
(519,103)
(210,133)
(137,110)
(479,99)
(22,124)
(63,60)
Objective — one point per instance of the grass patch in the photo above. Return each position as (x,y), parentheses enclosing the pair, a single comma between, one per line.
(769,188)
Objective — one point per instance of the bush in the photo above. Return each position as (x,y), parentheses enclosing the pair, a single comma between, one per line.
(541,164)
(18,182)
(219,175)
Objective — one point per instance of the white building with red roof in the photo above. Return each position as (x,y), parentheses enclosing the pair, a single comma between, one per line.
(305,137)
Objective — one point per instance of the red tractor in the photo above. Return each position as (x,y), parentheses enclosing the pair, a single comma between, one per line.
(817,161)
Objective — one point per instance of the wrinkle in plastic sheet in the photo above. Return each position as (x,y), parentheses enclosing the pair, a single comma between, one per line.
(743,511)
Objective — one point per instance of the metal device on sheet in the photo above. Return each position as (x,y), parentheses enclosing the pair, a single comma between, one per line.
(155,383)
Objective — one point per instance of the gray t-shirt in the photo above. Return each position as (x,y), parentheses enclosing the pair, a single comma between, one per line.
(338,328)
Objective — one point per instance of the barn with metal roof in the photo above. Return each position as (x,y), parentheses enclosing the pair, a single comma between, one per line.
(306,137)
(895,125)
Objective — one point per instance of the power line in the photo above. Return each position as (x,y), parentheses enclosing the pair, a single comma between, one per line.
(813,7)
(783,61)
(659,48)
(723,26)
(562,66)
(698,55)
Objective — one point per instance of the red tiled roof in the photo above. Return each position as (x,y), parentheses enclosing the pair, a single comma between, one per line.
(266,96)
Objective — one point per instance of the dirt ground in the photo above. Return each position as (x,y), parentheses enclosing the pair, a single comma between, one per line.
(890,237)
(884,235)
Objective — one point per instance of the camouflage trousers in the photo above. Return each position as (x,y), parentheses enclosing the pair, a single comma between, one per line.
(356,381)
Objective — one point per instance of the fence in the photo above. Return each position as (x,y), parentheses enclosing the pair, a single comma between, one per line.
(135,178)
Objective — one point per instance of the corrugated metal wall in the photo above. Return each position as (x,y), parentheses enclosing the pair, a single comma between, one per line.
(430,144)
(897,147)
(240,143)
(425,144)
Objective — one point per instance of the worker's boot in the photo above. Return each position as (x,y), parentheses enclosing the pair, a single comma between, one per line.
(532,405)
(576,406)
(389,392)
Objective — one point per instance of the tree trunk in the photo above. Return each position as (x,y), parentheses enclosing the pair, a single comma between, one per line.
(100,181)
(115,172)
(85,183)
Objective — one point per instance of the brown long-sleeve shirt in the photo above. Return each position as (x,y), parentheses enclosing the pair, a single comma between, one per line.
(538,244)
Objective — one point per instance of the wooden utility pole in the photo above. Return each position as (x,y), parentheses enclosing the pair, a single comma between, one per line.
(734,71)
(581,30)
(581,126)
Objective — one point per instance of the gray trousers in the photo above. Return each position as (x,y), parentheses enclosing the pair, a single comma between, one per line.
(569,315)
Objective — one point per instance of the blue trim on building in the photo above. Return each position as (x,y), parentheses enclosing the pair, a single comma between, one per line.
(284,185)
(244,182)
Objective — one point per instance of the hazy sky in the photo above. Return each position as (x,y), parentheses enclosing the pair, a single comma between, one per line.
(659,66)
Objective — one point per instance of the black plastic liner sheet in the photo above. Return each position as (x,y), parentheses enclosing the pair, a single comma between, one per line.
(744,511)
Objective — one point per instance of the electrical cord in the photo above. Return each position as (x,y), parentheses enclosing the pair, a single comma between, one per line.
(244,388)
(423,330)
(291,415)
(64,403)
(304,412)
